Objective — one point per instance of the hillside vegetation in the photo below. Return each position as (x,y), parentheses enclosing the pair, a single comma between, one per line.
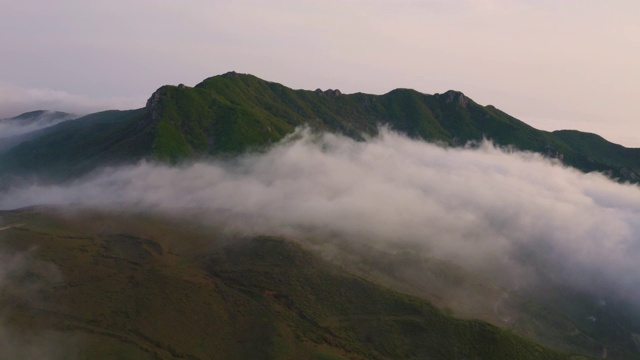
(133,286)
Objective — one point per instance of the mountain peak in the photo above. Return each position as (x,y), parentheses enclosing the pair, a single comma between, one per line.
(30,114)
(329,92)
(37,114)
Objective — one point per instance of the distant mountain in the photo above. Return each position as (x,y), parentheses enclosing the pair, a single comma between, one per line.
(75,147)
(232,113)
(40,116)
(20,128)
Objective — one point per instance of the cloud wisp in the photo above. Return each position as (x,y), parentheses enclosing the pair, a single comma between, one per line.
(13,127)
(485,208)
(17,100)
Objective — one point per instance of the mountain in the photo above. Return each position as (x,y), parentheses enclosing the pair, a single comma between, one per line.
(232,113)
(44,116)
(130,281)
(75,147)
(18,129)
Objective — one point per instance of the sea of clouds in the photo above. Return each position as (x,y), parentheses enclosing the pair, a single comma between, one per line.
(488,208)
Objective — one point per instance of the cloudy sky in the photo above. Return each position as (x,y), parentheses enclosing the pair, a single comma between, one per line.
(553,64)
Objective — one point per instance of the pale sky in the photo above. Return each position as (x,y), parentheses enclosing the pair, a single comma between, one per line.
(553,64)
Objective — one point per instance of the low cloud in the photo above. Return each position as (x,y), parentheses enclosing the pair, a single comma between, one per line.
(486,208)
(13,127)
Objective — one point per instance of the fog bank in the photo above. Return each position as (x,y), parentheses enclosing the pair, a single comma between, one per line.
(486,207)
(13,127)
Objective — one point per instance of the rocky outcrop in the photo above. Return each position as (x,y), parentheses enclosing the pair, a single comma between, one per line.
(329,92)
(629,174)
(153,104)
(453,96)
(552,153)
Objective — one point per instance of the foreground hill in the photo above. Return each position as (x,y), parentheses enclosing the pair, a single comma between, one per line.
(97,285)
(232,113)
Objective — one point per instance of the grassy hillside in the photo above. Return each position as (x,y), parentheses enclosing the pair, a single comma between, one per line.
(595,152)
(551,313)
(236,112)
(76,147)
(101,285)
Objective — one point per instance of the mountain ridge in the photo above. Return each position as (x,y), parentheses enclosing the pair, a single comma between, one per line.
(231,113)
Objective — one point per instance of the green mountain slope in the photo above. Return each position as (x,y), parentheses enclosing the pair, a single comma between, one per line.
(549,312)
(94,285)
(76,147)
(599,151)
(235,112)
(23,127)
(232,113)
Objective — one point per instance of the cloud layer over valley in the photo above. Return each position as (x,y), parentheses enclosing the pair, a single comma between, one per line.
(487,208)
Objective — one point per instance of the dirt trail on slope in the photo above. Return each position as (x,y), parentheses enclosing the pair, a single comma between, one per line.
(11,226)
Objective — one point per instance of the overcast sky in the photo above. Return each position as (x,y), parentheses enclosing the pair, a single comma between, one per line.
(553,64)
